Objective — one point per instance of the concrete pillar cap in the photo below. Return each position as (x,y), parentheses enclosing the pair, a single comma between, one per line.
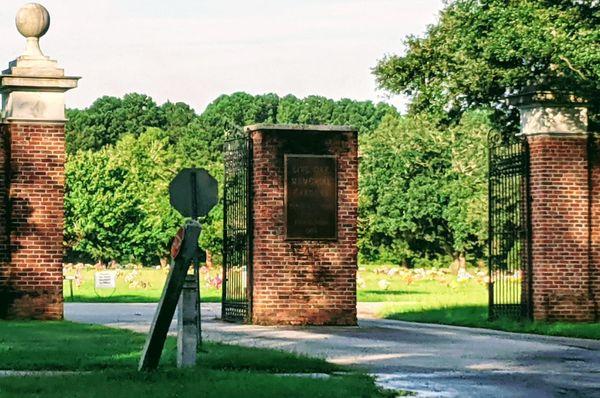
(534,96)
(33,86)
(551,111)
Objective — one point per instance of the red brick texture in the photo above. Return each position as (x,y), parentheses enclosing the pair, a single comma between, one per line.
(31,238)
(565,216)
(594,285)
(303,282)
(4,212)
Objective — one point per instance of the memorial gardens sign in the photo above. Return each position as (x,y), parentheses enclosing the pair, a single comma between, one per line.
(311,197)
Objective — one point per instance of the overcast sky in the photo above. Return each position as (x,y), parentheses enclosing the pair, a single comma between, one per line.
(195,50)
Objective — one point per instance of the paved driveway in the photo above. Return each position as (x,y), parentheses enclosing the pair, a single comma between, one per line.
(433,360)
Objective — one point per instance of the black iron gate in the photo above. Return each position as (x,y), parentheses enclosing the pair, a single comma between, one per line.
(237,229)
(509,240)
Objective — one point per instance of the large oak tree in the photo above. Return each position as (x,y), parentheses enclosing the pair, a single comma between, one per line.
(480,50)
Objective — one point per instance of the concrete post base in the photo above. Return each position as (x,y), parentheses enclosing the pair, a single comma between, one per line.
(187,324)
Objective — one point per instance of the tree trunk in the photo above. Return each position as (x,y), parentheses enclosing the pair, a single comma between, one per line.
(459,263)
(209,262)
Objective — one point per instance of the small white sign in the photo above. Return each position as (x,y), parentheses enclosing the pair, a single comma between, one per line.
(105,280)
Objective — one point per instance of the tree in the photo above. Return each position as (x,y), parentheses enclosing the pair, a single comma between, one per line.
(364,115)
(482,49)
(119,163)
(424,177)
(109,118)
(177,115)
(423,190)
(229,112)
(117,204)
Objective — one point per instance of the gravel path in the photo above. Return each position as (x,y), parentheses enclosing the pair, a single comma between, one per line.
(432,360)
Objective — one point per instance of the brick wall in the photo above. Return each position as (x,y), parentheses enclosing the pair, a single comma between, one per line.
(563,270)
(594,286)
(303,282)
(4,214)
(31,274)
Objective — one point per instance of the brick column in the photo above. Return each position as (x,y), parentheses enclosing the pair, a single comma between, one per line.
(563,237)
(303,281)
(594,164)
(32,178)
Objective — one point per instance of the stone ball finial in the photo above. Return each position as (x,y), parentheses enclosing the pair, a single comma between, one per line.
(33,21)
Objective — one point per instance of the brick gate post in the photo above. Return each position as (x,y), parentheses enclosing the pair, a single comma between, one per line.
(32,157)
(564,274)
(305,207)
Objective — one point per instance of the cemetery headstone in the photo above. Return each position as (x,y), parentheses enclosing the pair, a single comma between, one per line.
(105,283)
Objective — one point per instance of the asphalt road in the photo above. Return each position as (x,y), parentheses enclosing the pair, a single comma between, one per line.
(431,360)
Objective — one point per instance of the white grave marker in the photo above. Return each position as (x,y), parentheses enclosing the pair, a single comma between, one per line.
(105,280)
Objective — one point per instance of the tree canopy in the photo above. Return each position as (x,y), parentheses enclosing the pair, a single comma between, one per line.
(110,118)
(422,175)
(123,153)
(422,194)
(116,201)
(482,49)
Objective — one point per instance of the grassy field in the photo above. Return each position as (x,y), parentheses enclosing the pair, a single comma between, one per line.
(437,296)
(134,285)
(419,295)
(419,289)
(108,358)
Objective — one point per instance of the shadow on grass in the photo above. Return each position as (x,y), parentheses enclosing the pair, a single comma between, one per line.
(55,345)
(477,316)
(194,382)
(471,315)
(112,355)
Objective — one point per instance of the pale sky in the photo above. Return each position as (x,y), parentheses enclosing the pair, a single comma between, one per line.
(196,50)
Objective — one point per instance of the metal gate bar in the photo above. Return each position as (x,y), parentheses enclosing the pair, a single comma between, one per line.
(237,229)
(509,240)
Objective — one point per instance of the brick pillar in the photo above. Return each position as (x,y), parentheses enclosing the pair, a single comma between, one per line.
(4,218)
(562,188)
(594,164)
(303,280)
(32,158)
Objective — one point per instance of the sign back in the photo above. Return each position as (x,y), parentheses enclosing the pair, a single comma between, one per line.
(193,192)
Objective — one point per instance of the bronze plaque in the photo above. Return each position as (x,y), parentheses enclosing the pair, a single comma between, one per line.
(311,197)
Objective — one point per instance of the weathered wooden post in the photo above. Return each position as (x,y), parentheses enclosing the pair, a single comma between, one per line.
(193,192)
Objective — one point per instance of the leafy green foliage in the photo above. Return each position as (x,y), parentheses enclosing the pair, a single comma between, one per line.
(109,118)
(123,153)
(424,176)
(423,189)
(177,115)
(479,50)
(117,205)
(319,110)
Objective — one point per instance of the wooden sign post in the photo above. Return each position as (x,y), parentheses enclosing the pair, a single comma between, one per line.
(193,192)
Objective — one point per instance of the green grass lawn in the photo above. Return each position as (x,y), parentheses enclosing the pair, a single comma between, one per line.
(438,297)
(109,357)
(433,296)
(139,285)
